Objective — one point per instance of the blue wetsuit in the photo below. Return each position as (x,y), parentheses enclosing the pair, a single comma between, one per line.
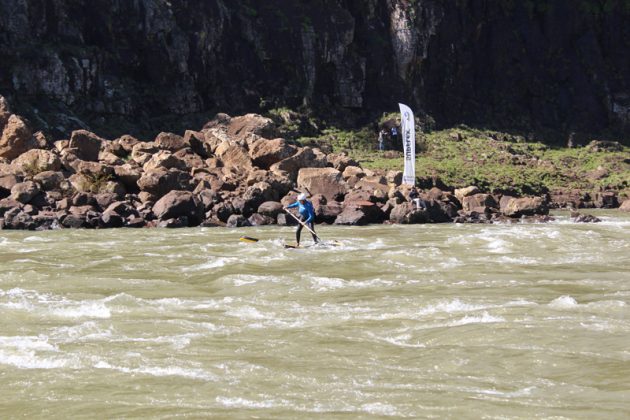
(307,215)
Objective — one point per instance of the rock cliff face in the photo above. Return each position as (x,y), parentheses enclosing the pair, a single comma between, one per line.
(115,65)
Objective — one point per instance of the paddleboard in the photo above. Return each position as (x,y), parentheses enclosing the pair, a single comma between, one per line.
(248,239)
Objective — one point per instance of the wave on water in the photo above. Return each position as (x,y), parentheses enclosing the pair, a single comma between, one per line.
(191,373)
(45,304)
(37,239)
(563,302)
(484,318)
(25,352)
(238,402)
(214,263)
(379,409)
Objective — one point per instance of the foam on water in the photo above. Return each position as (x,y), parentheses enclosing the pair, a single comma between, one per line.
(563,302)
(452,306)
(190,373)
(75,310)
(45,304)
(246,313)
(323,284)
(25,343)
(215,263)
(379,409)
(484,318)
(238,402)
(26,359)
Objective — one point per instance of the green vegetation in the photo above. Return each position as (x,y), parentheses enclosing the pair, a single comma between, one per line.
(94,183)
(493,161)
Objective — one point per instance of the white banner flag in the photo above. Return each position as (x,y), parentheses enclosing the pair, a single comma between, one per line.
(409,144)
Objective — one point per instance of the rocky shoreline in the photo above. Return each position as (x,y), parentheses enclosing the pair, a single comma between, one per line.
(233,172)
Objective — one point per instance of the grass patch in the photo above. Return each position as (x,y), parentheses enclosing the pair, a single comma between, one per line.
(497,161)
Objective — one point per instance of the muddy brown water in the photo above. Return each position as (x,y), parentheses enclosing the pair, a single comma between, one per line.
(428,321)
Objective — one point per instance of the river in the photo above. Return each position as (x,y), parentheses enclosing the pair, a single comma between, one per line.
(423,321)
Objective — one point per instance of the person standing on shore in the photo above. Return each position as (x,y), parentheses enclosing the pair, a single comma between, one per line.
(394,134)
(381,140)
(307,216)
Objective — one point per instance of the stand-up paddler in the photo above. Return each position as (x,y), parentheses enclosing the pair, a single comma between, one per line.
(307,215)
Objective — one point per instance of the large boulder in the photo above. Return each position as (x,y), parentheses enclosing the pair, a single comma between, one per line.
(353,171)
(607,200)
(341,161)
(86,145)
(179,203)
(197,142)
(258,219)
(96,170)
(406,213)
(360,213)
(24,192)
(233,155)
(376,186)
(49,180)
(125,145)
(160,181)
(526,206)
(260,193)
(8,204)
(460,193)
(265,153)
(241,127)
(142,152)
(35,161)
(190,159)
(325,181)
(7,182)
(211,141)
(478,202)
(170,141)
(16,139)
(304,158)
(328,211)
(164,159)
(237,220)
(270,209)
(625,206)
(128,174)
(109,158)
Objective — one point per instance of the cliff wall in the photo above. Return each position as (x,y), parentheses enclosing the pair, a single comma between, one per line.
(147,65)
